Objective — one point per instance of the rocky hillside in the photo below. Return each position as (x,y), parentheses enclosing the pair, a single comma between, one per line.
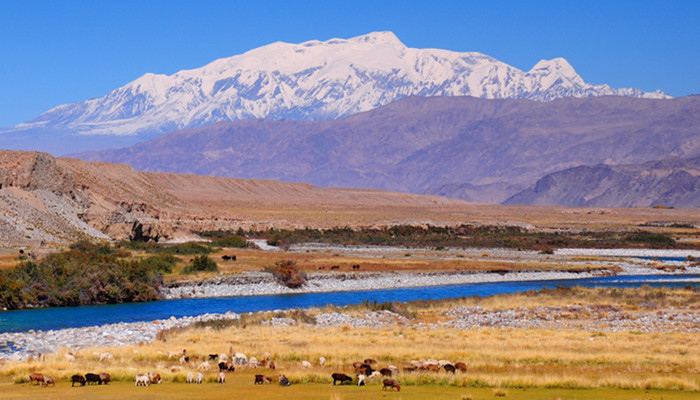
(476,149)
(672,182)
(45,199)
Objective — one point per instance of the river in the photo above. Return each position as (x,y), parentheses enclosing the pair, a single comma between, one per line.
(72,317)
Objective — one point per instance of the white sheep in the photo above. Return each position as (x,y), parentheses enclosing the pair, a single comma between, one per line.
(204,366)
(222,377)
(322,361)
(190,377)
(305,364)
(199,377)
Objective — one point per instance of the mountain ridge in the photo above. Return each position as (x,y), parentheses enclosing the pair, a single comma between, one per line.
(307,81)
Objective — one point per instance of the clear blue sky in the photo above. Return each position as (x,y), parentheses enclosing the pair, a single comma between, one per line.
(57,52)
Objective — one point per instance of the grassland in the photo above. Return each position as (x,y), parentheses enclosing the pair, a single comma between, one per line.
(502,362)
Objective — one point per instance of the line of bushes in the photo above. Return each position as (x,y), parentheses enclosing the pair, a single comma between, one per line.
(87,273)
(467,236)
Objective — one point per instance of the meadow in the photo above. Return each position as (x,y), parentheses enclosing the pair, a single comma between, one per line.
(502,362)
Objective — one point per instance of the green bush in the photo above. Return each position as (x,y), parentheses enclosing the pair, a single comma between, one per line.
(201,264)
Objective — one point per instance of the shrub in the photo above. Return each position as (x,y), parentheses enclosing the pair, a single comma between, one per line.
(201,264)
(287,274)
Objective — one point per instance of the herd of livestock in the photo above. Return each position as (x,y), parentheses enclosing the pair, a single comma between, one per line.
(364,370)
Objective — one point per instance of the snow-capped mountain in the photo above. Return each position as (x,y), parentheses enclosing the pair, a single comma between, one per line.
(311,80)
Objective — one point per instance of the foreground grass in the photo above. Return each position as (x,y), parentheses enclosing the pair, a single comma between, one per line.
(241,387)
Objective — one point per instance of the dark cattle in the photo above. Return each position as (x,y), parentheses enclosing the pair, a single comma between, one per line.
(370,361)
(233,258)
(391,383)
(93,379)
(284,381)
(461,366)
(226,366)
(225,258)
(335,267)
(385,372)
(262,379)
(105,378)
(449,368)
(77,379)
(341,377)
(213,356)
(355,267)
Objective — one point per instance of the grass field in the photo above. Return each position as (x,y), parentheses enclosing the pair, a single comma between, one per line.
(502,362)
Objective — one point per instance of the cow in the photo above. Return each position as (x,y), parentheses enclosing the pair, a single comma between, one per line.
(142,380)
(154,377)
(462,367)
(284,381)
(361,380)
(93,379)
(189,378)
(386,372)
(49,381)
(356,267)
(105,378)
(77,379)
(341,377)
(391,383)
(199,378)
(222,378)
(225,257)
(36,377)
(449,368)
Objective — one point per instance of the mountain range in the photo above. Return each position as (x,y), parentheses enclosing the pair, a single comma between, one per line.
(314,80)
(483,150)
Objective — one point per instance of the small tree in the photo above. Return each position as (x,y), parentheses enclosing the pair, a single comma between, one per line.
(287,274)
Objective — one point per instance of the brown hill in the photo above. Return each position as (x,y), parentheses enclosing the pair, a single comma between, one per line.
(476,149)
(47,199)
(672,182)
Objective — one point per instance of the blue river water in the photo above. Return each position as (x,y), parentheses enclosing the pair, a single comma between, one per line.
(70,317)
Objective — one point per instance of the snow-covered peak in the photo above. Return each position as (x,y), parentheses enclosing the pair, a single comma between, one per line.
(314,80)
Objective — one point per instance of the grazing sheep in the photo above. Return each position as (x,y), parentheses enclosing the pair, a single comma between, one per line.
(154,377)
(449,368)
(77,379)
(391,383)
(226,366)
(142,380)
(222,378)
(284,381)
(433,367)
(361,380)
(204,366)
(105,378)
(322,361)
(223,357)
(36,377)
(107,356)
(394,370)
(461,366)
(305,364)
(386,372)
(49,381)
(374,374)
(93,379)
(240,359)
(340,377)
(199,378)
(189,378)
(253,362)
